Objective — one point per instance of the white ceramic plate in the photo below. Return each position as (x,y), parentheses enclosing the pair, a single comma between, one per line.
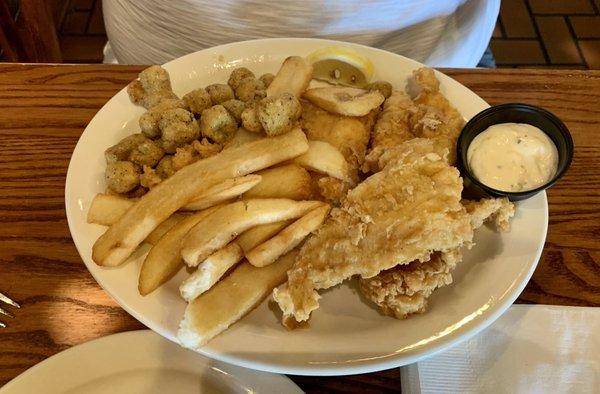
(346,335)
(141,362)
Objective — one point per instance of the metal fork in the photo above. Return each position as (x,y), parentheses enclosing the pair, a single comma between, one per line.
(6,300)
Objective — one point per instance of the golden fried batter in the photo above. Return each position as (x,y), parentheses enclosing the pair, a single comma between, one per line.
(433,116)
(401,230)
(391,129)
(403,213)
(496,210)
(404,289)
(350,135)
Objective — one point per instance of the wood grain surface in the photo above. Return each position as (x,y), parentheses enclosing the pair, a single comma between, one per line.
(45,108)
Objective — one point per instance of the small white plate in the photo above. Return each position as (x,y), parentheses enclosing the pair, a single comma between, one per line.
(140,362)
(346,335)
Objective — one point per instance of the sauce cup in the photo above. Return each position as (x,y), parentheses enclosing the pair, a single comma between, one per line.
(513,113)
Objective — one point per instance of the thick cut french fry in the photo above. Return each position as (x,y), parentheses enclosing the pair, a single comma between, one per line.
(121,239)
(248,240)
(222,192)
(290,237)
(222,226)
(293,77)
(229,300)
(218,263)
(288,181)
(242,137)
(163,228)
(164,259)
(324,158)
(210,271)
(106,209)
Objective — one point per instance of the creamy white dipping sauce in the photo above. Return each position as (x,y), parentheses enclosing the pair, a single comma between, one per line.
(512,157)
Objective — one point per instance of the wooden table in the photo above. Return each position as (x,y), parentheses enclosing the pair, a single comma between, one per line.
(44,109)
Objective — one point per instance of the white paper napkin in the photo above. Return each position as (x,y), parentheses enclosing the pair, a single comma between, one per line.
(530,349)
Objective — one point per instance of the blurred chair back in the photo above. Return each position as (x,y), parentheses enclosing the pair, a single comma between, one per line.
(28,32)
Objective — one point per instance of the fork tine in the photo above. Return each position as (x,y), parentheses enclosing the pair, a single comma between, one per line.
(7,300)
(6,313)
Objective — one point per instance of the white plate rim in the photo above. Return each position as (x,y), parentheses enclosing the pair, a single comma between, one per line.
(357,366)
(60,363)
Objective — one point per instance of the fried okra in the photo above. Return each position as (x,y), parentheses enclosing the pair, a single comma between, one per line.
(149,121)
(266,79)
(198,100)
(155,80)
(152,86)
(250,119)
(178,134)
(205,148)
(235,108)
(122,176)
(138,192)
(184,156)
(383,87)
(219,92)
(165,169)
(250,89)
(237,75)
(217,124)
(178,128)
(148,153)
(149,178)
(175,115)
(123,148)
(155,99)
(136,93)
(278,114)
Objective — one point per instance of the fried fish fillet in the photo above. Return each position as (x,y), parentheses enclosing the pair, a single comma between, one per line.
(350,135)
(403,228)
(432,115)
(496,210)
(393,126)
(429,115)
(405,212)
(404,289)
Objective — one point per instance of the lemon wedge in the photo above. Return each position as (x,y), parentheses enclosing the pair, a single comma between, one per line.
(341,66)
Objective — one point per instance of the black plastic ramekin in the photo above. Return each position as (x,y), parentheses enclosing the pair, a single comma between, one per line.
(515,113)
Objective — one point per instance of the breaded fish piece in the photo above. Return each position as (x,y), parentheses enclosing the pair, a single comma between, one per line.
(350,135)
(429,115)
(496,210)
(405,212)
(393,127)
(432,115)
(404,289)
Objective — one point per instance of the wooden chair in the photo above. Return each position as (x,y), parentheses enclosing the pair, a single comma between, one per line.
(29,35)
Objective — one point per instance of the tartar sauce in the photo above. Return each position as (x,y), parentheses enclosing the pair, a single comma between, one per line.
(512,157)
